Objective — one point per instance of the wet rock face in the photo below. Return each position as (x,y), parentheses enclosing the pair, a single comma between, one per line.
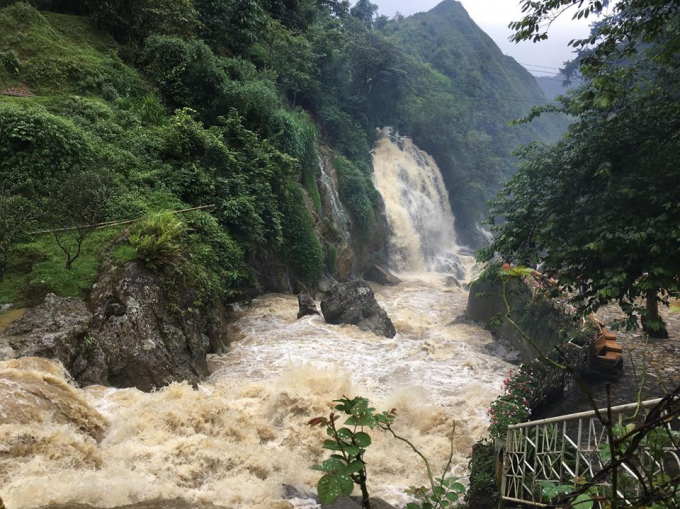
(143,338)
(306,305)
(355,304)
(132,335)
(382,276)
(56,329)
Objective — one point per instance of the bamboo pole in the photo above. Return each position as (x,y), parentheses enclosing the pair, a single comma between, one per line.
(108,224)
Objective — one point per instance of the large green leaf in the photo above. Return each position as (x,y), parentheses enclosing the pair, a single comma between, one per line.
(362,439)
(583,501)
(330,465)
(328,489)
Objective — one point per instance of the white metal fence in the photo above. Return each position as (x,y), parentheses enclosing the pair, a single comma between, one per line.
(572,450)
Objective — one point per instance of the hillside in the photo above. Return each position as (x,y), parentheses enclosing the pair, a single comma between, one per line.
(153,106)
(473,145)
(553,86)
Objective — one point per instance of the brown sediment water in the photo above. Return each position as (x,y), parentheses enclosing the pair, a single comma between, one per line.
(10,316)
(235,440)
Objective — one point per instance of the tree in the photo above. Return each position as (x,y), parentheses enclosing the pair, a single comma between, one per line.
(600,209)
(76,208)
(364,10)
(232,24)
(17,214)
(138,19)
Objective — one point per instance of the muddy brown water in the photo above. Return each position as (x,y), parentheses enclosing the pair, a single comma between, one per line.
(242,434)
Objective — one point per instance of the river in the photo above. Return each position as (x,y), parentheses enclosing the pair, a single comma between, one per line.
(238,437)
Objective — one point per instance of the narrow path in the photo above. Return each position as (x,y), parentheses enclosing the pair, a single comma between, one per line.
(654,366)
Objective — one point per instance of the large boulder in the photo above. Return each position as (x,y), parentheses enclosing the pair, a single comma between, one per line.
(147,333)
(382,276)
(59,329)
(354,303)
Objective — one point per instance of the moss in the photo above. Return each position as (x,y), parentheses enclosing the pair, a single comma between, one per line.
(301,247)
(331,258)
(123,253)
(357,192)
(309,183)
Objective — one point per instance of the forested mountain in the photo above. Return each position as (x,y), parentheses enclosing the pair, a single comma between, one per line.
(553,86)
(466,126)
(117,110)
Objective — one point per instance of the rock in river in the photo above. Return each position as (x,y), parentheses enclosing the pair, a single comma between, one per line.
(354,303)
(381,276)
(306,305)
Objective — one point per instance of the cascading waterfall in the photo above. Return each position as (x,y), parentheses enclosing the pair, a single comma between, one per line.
(418,210)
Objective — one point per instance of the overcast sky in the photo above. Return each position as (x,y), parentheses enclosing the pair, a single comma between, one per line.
(493,17)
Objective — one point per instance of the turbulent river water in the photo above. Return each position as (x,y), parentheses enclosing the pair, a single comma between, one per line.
(238,437)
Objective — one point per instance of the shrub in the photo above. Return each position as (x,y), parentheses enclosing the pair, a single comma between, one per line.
(218,270)
(38,149)
(356,192)
(300,248)
(157,240)
(482,492)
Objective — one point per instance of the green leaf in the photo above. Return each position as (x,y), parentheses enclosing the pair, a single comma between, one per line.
(359,407)
(331,445)
(345,483)
(367,420)
(583,501)
(453,497)
(328,489)
(330,465)
(355,466)
(362,439)
(411,505)
(456,486)
(345,433)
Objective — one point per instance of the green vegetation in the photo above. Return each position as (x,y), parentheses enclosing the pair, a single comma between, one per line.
(37,268)
(347,467)
(483,491)
(157,240)
(356,192)
(170,105)
(600,208)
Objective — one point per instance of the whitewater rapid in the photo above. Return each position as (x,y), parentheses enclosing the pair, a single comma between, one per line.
(242,434)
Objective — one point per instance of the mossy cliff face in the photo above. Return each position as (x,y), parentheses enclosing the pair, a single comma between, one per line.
(545,323)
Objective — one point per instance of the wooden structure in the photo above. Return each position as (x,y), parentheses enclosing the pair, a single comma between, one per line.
(605,353)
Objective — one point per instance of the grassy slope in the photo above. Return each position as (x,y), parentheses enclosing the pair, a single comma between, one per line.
(60,55)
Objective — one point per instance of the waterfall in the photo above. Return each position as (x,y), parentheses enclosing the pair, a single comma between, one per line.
(423,238)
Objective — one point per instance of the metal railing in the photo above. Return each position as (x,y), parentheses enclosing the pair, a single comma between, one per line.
(572,449)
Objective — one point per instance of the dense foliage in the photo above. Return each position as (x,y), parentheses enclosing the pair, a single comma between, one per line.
(178,104)
(601,209)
